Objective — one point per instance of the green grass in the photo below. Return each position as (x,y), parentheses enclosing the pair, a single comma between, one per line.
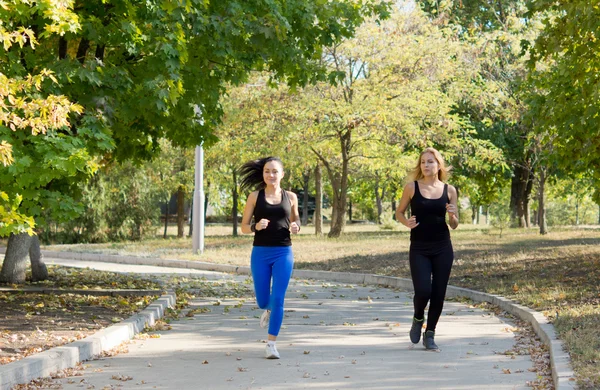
(557,274)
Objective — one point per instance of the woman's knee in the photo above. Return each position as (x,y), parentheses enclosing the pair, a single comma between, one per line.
(277,302)
(423,292)
(262,303)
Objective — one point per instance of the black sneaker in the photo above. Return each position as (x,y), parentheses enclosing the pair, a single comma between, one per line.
(415,330)
(428,340)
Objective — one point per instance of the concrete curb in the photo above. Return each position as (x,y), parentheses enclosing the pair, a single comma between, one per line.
(562,370)
(58,358)
(97,292)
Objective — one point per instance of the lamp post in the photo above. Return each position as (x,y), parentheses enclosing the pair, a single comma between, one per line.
(198,203)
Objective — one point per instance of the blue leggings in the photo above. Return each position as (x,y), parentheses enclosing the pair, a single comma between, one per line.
(276,262)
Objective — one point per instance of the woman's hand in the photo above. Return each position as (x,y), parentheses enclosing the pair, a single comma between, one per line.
(412,222)
(451,209)
(295,227)
(262,224)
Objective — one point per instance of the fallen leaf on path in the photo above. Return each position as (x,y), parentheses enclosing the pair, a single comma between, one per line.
(123,378)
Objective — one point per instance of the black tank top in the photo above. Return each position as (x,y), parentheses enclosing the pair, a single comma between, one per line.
(431,216)
(277,232)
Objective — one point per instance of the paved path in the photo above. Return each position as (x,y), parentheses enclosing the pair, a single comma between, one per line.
(335,336)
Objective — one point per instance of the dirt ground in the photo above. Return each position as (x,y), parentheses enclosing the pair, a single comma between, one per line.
(33,322)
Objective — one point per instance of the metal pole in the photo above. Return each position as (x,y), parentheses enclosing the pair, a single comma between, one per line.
(198,203)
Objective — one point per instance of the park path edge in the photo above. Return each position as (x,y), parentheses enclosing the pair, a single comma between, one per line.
(51,361)
(563,375)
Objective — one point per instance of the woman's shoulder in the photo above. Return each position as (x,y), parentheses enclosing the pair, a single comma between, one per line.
(253,195)
(292,195)
(451,190)
(409,188)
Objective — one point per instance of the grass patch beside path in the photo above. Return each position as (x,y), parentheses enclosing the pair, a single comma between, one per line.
(557,274)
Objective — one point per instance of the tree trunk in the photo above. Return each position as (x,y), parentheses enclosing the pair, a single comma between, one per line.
(474,214)
(62,48)
(306,177)
(521,186)
(234,208)
(333,217)
(338,223)
(203,222)
(394,208)
(38,268)
(82,50)
(339,182)
(576,211)
(542,207)
(318,216)
(15,259)
(350,210)
(378,199)
(191,227)
(180,211)
(166,218)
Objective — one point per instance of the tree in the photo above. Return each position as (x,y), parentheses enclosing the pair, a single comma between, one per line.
(138,69)
(387,102)
(565,68)
(388,96)
(26,111)
(496,102)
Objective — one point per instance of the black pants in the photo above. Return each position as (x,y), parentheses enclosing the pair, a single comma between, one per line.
(430,265)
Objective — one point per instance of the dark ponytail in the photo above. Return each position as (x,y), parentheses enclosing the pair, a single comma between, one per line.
(251,173)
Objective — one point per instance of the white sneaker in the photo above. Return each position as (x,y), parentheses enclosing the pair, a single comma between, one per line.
(264,319)
(271,352)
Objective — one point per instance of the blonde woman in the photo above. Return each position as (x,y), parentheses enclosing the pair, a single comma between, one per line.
(431,254)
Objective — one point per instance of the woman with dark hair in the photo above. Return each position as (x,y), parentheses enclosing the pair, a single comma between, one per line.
(430,255)
(275,213)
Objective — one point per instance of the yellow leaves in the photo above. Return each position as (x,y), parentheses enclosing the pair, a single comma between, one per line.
(21,36)
(6,156)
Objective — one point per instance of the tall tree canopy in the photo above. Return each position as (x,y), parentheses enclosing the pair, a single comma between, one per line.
(136,70)
(565,67)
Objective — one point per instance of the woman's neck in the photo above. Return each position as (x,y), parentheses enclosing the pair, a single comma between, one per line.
(272,189)
(431,180)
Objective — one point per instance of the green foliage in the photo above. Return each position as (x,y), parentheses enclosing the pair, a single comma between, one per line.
(570,202)
(11,221)
(136,71)
(564,67)
(475,15)
(499,213)
(388,222)
(121,202)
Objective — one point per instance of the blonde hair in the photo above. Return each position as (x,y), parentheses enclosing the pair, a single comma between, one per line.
(443,173)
